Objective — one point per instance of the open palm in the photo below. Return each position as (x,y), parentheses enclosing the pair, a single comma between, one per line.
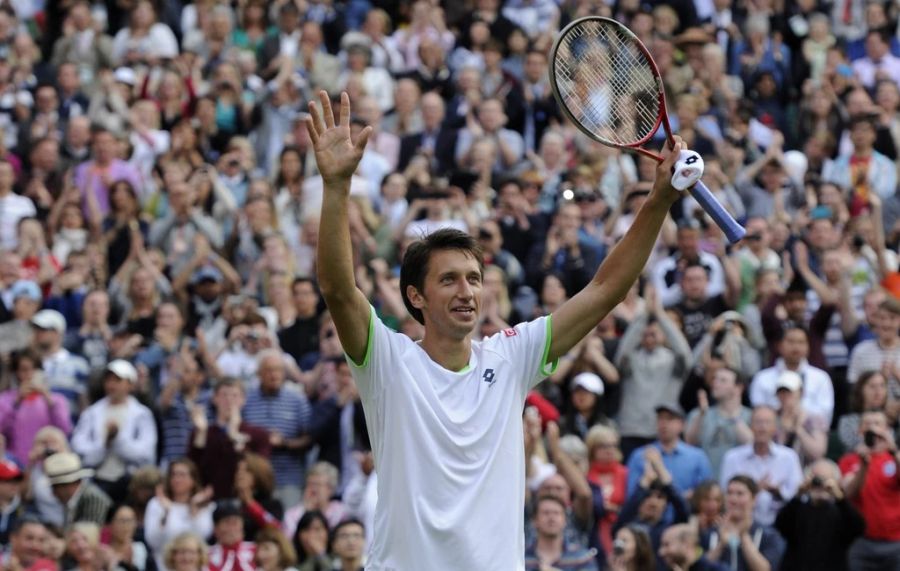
(336,154)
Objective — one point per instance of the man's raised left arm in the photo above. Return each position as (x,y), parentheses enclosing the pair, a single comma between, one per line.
(578,316)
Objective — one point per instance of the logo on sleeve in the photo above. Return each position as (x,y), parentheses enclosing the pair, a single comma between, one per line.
(489,377)
(510,332)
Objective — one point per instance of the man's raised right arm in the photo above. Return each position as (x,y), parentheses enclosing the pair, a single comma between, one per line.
(337,157)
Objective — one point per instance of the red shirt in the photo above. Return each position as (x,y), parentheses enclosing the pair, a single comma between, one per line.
(879,499)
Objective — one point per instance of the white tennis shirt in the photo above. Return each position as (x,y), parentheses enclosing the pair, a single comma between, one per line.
(449,449)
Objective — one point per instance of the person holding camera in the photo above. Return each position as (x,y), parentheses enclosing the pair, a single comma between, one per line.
(632,550)
(872,482)
(819,524)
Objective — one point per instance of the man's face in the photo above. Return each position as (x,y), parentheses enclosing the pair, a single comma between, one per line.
(693,284)
(557,487)
(117,389)
(228,399)
(271,374)
(688,242)
(794,347)
(318,491)
(535,67)
(491,116)
(349,542)
(862,135)
(432,110)
(9,489)
(763,425)
(672,549)
(305,299)
(887,324)
(230,530)
(104,146)
(550,519)
(724,384)
(652,337)
(738,499)
(876,48)
(7,176)
(451,300)
(46,340)
(668,426)
(64,492)
(27,545)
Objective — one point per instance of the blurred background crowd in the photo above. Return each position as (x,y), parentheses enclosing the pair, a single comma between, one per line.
(174,396)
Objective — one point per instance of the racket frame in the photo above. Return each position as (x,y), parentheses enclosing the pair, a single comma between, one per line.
(663,115)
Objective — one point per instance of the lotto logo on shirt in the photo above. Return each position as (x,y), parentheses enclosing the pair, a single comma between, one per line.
(489,377)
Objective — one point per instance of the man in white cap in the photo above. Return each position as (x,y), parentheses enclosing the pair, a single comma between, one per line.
(793,350)
(81,499)
(65,372)
(117,434)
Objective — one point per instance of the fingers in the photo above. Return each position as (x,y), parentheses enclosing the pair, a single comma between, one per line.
(672,156)
(363,139)
(345,109)
(326,109)
(315,119)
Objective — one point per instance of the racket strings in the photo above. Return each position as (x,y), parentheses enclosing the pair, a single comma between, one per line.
(607,83)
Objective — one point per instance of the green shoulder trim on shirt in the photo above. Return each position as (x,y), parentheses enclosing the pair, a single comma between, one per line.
(369,341)
(544,364)
(465,369)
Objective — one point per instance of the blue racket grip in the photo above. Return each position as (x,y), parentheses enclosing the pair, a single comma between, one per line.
(733,231)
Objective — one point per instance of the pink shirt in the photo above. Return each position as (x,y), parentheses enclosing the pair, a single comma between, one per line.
(20,422)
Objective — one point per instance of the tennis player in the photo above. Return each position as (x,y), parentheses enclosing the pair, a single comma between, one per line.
(445,414)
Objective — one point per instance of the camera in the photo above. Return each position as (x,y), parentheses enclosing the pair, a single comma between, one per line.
(869,438)
(619,547)
(253,336)
(817,482)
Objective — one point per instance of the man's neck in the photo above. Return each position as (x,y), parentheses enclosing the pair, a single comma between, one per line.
(793,365)
(761,449)
(668,446)
(449,353)
(549,548)
(730,405)
(351,564)
(888,342)
(4,192)
(862,153)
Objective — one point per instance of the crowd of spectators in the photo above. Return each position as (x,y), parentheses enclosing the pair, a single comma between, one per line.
(173,393)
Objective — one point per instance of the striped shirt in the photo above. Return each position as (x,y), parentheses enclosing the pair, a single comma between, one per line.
(289,413)
(177,425)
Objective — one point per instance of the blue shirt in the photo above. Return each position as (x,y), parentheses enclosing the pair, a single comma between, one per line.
(289,413)
(688,465)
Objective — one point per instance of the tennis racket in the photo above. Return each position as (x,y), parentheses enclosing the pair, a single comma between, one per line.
(608,85)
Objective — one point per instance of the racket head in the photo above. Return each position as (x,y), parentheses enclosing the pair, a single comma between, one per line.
(607,84)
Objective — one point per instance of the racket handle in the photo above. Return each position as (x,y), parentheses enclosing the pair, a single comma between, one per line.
(733,231)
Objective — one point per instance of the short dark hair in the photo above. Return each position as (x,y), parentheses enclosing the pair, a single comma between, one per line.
(418,254)
(27,519)
(747,482)
(345,523)
(229,382)
(548,498)
(26,354)
(305,280)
